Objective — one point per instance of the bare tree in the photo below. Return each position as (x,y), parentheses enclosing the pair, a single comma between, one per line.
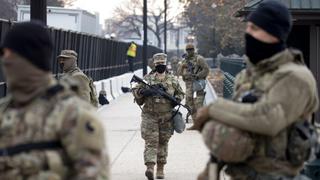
(128,19)
(215,27)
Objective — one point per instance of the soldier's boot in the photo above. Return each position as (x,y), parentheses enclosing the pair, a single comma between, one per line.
(160,173)
(150,171)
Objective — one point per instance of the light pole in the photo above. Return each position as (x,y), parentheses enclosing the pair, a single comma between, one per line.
(39,10)
(165,26)
(145,38)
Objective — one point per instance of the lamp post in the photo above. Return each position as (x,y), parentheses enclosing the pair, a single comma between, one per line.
(39,10)
(145,38)
(165,26)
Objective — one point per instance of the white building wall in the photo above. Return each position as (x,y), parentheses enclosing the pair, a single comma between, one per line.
(67,19)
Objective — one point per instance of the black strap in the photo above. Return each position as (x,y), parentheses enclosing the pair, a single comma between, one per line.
(10,151)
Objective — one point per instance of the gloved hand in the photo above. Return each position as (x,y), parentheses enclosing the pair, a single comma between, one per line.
(201,118)
(249,98)
(159,86)
(147,92)
(174,104)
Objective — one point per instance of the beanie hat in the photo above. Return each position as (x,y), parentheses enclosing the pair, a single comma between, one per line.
(32,41)
(273,17)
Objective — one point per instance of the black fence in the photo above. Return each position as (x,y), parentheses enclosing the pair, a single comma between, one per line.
(98,57)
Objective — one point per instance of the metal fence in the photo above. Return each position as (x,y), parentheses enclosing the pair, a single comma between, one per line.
(98,57)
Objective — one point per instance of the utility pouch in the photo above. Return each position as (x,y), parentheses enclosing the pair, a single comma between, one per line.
(301,139)
(199,85)
(178,123)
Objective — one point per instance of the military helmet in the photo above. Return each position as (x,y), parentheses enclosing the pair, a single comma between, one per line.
(189,46)
(226,143)
(160,58)
(68,54)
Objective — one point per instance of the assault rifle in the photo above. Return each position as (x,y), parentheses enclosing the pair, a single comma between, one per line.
(161,92)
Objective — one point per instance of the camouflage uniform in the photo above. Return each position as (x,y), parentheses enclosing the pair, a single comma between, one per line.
(54,116)
(174,65)
(287,94)
(156,126)
(86,92)
(46,132)
(194,68)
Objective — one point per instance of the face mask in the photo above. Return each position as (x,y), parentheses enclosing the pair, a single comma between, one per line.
(257,50)
(161,68)
(61,66)
(28,82)
(190,53)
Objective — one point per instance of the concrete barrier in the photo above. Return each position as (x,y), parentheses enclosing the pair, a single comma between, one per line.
(113,85)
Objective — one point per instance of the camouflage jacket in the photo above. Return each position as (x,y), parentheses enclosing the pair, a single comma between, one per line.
(157,104)
(56,115)
(193,68)
(287,93)
(86,89)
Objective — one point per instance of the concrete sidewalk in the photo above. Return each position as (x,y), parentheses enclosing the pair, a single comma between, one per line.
(121,118)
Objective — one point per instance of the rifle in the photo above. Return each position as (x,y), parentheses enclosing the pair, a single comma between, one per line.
(161,92)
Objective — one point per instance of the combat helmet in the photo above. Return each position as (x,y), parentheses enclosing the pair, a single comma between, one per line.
(226,143)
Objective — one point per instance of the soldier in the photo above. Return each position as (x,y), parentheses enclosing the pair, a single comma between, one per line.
(68,64)
(156,126)
(151,64)
(273,102)
(46,131)
(174,65)
(193,68)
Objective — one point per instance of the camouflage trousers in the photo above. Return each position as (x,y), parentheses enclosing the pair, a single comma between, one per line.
(194,102)
(156,130)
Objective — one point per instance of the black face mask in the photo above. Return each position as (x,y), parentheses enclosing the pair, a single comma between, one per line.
(258,51)
(61,66)
(161,68)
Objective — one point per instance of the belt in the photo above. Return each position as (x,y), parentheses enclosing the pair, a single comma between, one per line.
(10,151)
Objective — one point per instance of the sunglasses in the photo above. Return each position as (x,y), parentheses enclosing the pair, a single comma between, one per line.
(191,49)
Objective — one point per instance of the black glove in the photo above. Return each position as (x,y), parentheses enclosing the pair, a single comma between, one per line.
(147,92)
(249,98)
(174,104)
(159,87)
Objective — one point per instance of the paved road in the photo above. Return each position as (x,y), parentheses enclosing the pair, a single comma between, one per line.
(121,118)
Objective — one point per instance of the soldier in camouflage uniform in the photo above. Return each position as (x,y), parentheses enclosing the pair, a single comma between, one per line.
(174,65)
(273,96)
(68,63)
(46,131)
(193,68)
(156,126)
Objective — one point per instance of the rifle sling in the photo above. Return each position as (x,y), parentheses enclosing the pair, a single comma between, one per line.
(11,151)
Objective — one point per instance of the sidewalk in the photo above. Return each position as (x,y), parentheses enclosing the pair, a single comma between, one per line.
(121,118)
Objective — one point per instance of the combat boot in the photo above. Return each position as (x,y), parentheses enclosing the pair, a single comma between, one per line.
(160,173)
(150,171)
